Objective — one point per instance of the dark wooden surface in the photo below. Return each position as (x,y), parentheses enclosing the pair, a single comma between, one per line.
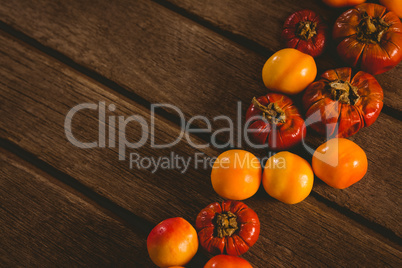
(45,224)
(203,57)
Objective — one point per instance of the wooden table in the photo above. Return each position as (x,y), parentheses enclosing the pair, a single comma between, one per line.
(67,206)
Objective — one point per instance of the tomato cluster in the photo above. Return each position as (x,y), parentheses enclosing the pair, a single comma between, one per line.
(368,37)
(338,105)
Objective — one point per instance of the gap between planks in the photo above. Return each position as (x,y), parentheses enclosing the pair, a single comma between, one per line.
(138,225)
(109,84)
(50,223)
(236,38)
(119,213)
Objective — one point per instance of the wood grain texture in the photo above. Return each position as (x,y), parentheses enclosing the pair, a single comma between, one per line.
(261,21)
(168,59)
(45,225)
(37,92)
(93,35)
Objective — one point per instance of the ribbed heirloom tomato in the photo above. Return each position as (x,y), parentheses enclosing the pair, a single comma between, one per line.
(369,37)
(236,174)
(288,177)
(229,227)
(338,106)
(340,163)
(274,120)
(227,261)
(173,242)
(289,71)
(304,30)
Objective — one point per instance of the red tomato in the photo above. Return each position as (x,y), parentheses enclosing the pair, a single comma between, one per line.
(339,107)
(369,37)
(343,3)
(273,119)
(229,227)
(173,242)
(304,30)
(340,163)
(227,261)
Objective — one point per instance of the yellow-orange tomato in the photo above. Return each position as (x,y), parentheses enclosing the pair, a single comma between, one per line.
(289,71)
(344,3)
(236,174)
(340,163)
(393,5)
(227,261)
(288,177)
(173,242)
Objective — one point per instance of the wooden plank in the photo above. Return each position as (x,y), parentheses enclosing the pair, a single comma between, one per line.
(37,92)
(46,225)
(167,59)
(261,22)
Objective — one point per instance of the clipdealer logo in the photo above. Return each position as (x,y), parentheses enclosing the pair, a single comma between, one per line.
(115,126)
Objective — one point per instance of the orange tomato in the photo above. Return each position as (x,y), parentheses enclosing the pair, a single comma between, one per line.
(227,261)
(343,3)
(289,71)
(288,177)
(393,5)
(236,174)
(340,163)
(173,242)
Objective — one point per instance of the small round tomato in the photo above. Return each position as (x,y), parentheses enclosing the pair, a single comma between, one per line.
(393,5)
(288,177)
(369,37)
(343,3)
(229,227)
(227,261)
(304,30)
(173,242)
(340,163)
(289,71)
(274,120)
(236,174)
